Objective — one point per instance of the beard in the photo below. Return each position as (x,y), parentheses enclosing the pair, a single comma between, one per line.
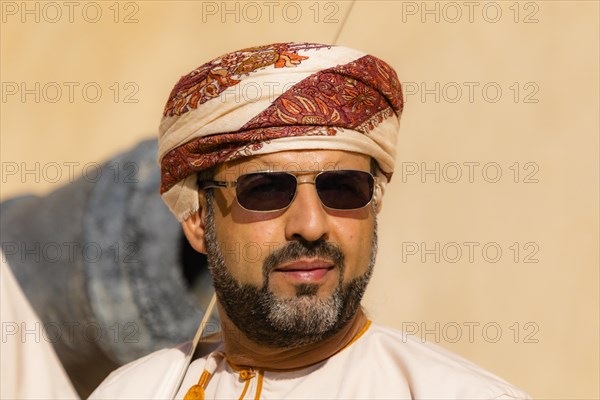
(278,322)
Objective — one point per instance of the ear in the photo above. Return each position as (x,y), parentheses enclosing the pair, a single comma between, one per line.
(378,198)
(194,226)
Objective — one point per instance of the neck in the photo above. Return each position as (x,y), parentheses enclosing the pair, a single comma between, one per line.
(242,351)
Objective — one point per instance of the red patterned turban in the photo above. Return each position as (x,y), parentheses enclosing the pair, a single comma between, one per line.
(265,99)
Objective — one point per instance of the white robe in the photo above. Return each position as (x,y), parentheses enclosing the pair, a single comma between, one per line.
(381,364)
(29,367)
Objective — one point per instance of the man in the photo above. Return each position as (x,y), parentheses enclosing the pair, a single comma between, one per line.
(275,160)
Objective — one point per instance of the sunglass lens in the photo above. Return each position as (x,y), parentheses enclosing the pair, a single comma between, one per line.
(265,191)
(345,190)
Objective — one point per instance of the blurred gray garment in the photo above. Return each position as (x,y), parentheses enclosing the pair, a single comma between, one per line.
(105,264)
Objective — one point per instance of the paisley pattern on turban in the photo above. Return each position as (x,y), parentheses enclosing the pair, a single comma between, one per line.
(335,98)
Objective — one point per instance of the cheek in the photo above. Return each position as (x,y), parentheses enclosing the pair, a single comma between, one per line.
(244,248)
(356,241)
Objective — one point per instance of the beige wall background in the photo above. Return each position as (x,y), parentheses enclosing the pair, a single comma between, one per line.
(501,97)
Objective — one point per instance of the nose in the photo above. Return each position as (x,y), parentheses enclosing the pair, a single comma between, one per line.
(306,217)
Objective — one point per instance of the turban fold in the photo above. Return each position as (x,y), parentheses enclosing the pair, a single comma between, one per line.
(278,97)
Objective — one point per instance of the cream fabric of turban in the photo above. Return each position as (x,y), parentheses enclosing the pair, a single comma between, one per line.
(278,97)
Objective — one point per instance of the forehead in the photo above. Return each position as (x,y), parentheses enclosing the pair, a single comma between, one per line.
(313,160)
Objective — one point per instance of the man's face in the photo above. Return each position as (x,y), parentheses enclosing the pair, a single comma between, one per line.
(296,275)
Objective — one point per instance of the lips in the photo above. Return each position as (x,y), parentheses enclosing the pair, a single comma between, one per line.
(305,270)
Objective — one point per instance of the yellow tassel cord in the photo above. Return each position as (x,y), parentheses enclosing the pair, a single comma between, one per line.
(246,375)
(196,392)
(259,385)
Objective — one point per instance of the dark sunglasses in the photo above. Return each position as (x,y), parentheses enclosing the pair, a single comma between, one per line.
(273,191)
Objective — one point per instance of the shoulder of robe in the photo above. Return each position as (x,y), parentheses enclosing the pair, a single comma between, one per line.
(432,371)
(154,375)
(150,377)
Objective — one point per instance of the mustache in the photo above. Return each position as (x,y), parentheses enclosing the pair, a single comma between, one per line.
(303,249)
